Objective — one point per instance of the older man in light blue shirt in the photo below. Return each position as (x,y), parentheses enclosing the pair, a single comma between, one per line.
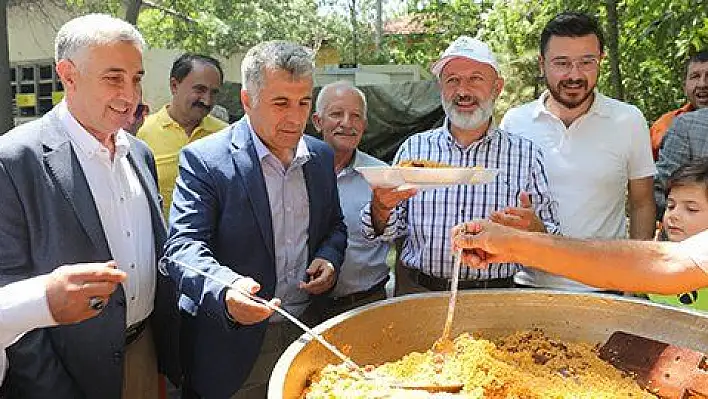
(340,116)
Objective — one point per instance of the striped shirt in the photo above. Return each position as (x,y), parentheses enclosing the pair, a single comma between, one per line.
(427,218)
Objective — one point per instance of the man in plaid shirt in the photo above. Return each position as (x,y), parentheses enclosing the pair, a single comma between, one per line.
(470,83)
(686,140)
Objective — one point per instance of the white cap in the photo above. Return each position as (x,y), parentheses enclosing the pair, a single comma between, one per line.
(466,47)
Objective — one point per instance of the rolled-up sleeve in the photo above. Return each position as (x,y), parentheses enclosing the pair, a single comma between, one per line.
(545,205)
(696,248)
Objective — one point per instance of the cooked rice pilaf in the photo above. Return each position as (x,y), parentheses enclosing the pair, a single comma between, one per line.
(524,365)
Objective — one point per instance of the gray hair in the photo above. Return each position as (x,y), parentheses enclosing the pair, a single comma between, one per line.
(274,55)
(338,85)
(93,30)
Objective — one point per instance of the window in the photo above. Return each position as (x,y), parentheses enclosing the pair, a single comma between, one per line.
(36,88)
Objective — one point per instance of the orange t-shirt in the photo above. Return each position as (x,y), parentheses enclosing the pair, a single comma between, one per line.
(659,128)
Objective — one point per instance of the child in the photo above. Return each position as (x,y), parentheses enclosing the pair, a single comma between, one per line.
(686,215)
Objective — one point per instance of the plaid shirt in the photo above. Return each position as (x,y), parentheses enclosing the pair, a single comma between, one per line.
(686,140)
(427,218)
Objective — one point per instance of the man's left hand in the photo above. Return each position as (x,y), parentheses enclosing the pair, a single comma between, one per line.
(321,277)
(522,218)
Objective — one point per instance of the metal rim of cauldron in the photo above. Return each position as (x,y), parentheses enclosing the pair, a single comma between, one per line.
(280,372)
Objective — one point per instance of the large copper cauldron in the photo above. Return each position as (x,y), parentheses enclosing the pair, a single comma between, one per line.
(387,330)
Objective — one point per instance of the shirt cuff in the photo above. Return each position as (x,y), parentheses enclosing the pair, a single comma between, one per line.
(367,226)
(24,307)
(696,248)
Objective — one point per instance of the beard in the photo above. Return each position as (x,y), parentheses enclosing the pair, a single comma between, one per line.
(570,102)
(468,120)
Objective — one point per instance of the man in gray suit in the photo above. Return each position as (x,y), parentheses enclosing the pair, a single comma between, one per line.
(686,140)
(75,188)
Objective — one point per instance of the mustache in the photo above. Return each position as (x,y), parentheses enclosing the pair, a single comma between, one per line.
(568,82)
(459,98)
(345,132)
(199,104)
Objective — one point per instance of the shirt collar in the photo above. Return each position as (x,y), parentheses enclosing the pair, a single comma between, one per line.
(599,105)
(492,131)
(302,154)
(356,161)
(83,140)
(165,120)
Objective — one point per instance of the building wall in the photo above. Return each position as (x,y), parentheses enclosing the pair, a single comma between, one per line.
(32,29)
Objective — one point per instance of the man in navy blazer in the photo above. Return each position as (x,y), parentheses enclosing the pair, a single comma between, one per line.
(257,205)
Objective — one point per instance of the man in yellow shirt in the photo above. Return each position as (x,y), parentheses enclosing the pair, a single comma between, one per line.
(194,82)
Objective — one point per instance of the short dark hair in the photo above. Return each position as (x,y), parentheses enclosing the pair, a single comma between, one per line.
(693,172)
(700,56)
(184,64)
(571,24)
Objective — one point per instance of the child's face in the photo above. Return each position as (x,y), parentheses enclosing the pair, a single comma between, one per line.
(686,211)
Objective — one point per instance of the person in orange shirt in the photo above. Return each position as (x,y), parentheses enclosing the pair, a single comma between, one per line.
(696,89)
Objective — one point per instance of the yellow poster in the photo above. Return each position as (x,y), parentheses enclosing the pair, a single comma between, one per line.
(25,100)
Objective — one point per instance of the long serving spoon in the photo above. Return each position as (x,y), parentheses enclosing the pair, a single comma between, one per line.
(433,388)
(349,362)
(444,344)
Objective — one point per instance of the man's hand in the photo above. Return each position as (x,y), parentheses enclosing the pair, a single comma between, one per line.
(383,200)
(242,308)
(522,218)
(70,289)
(322,277)
(484,242)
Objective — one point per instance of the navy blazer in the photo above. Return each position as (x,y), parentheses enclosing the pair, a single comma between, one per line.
(220,222)
(48,218)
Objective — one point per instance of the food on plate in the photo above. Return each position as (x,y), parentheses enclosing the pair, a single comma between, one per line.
(527,364)
(422,163)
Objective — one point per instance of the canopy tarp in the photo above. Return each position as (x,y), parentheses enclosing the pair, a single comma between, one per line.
(395,111)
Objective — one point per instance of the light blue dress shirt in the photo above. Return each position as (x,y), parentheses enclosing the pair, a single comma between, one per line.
(365,260)
(290,213)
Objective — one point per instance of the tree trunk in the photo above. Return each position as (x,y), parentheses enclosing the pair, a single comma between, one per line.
(352,11)
(379,26)
(132,9)
(613,49)
(7,121)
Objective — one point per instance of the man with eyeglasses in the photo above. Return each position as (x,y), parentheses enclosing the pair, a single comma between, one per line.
(596,148)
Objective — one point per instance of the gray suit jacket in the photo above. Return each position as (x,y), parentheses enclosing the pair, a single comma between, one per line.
(686,140)
(48,218)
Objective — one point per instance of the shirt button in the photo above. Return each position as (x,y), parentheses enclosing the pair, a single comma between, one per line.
(132,265)
(132,298)
(289,241)
(122,199)
(127,233)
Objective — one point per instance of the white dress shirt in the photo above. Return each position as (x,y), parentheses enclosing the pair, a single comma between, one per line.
(123,209)
(588,164)
(23,307)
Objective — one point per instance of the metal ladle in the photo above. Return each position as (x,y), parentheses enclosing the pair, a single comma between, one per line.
(451,388)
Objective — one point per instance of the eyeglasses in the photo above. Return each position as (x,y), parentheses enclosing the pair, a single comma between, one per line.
(565,65)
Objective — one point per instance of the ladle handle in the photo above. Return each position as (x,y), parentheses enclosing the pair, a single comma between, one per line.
(349,362)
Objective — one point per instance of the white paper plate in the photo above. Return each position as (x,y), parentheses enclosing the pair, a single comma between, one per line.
(422,178)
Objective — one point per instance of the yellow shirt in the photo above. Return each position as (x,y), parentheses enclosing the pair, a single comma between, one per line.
(165,137)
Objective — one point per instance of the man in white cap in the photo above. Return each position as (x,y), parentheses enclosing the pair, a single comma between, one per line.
(597,149)
(469,83)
